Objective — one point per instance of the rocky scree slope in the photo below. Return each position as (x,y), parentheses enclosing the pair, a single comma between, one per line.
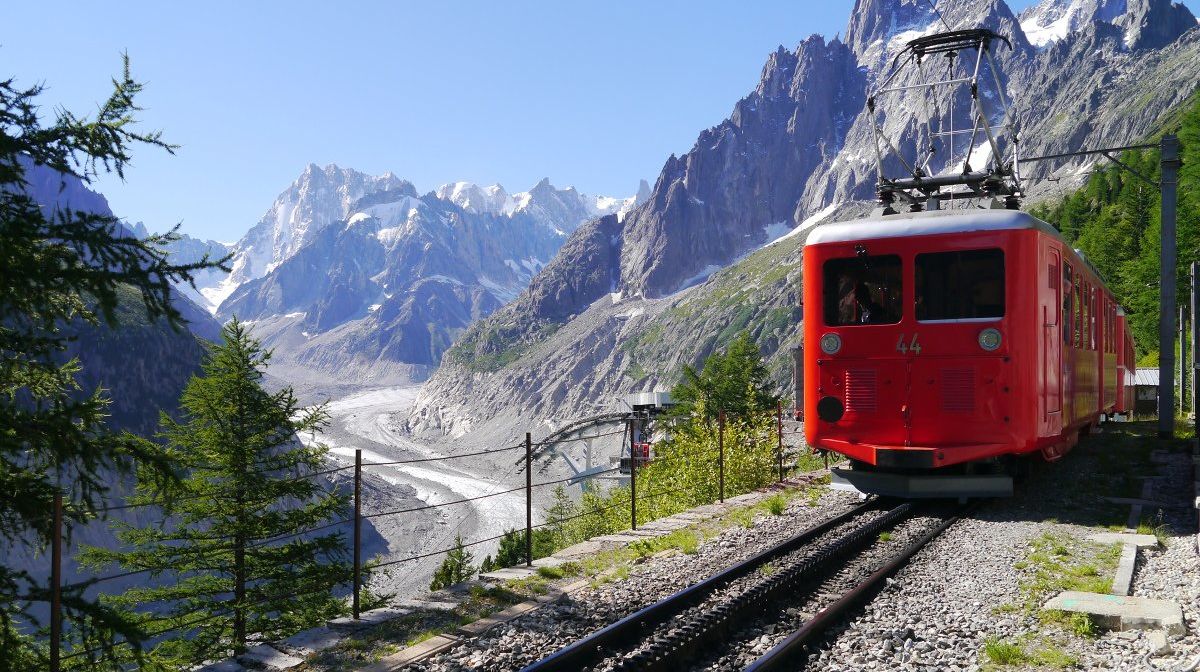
(377,294)
(796,149)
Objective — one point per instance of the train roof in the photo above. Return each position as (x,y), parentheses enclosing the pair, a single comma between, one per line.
(927,224)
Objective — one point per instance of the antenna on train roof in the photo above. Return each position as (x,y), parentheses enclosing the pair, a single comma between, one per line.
(931,172)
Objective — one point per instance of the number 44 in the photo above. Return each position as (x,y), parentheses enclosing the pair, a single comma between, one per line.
(903,348)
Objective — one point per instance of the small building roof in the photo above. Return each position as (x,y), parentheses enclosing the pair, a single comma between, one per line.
(1143,377)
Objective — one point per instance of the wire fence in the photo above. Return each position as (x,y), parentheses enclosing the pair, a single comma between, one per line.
(628,467)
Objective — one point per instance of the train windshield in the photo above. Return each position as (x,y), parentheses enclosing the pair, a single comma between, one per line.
(957,286)
(862,290)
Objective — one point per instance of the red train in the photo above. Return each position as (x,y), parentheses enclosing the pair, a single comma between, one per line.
(940,346)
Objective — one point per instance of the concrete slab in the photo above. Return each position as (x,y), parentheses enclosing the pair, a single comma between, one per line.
(1138,540)
(265,655)
(311,641)
(611,540)
(1120,612)
(645,532)
(693,517)
(509,574)
(369,618)
(1123,579)
(583,548)
(415,653)
(550,561)
(427,604)
(666,525)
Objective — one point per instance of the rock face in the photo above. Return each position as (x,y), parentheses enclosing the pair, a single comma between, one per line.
(797,149)
(379,293)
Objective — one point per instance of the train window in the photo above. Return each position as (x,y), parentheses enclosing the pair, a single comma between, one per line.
(1093,322)
(1078,316)
(1068,305)
(862,290)
(965,285)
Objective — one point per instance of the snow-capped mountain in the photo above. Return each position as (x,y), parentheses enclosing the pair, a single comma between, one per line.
(562,210)
(619,308)
(317,198)
(380,292)
(1147,23)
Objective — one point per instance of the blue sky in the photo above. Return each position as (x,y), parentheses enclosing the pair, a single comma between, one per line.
(591,94)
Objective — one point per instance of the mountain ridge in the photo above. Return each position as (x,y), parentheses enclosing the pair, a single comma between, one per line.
(611,286)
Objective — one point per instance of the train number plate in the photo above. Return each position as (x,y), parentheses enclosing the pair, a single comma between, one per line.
(904,347)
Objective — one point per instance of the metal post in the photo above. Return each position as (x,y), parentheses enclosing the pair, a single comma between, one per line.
(633,465)
(779,435)
(721,456)
(1166,288)
(1195,310)
(1182,325)
(528,499)
(56,586)
(357,529)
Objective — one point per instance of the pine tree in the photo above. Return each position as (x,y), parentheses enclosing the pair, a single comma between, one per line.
(56,269)
(240,545)
(456,568)
(734,381)
(561,509)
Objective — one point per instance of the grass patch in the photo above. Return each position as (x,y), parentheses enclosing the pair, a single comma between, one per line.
(776,504)
(1159,529)
(1043,654)
(1003,652)
(1058,562)
(550,572)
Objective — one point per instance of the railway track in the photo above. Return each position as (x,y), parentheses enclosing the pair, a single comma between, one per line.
(795,591)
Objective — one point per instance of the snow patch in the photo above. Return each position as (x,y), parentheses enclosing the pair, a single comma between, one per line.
(777,230)
(701,276)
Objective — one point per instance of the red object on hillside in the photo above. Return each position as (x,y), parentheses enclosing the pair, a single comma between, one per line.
(940,345)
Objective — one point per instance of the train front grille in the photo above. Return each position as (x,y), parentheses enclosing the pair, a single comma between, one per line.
(862,390)
(958,390)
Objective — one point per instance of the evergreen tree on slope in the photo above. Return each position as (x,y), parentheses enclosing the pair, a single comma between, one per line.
(235,547)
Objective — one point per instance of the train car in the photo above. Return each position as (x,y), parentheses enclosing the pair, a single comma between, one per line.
(943,345)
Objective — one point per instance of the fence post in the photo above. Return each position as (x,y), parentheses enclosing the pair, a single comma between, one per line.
(721,455)
(56,586)
(779,434)
(632,474)
(357,528)
(528,499)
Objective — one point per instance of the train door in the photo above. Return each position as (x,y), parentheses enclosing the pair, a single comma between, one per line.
(1051,370)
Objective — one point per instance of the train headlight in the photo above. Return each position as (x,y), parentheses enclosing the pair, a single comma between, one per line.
(831,344)
(990,339)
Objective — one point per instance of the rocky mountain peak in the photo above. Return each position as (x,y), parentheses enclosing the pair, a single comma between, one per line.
(873,22)
(1147,24)
(643,192)
(1153,24)
(879,29)
(473,198)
